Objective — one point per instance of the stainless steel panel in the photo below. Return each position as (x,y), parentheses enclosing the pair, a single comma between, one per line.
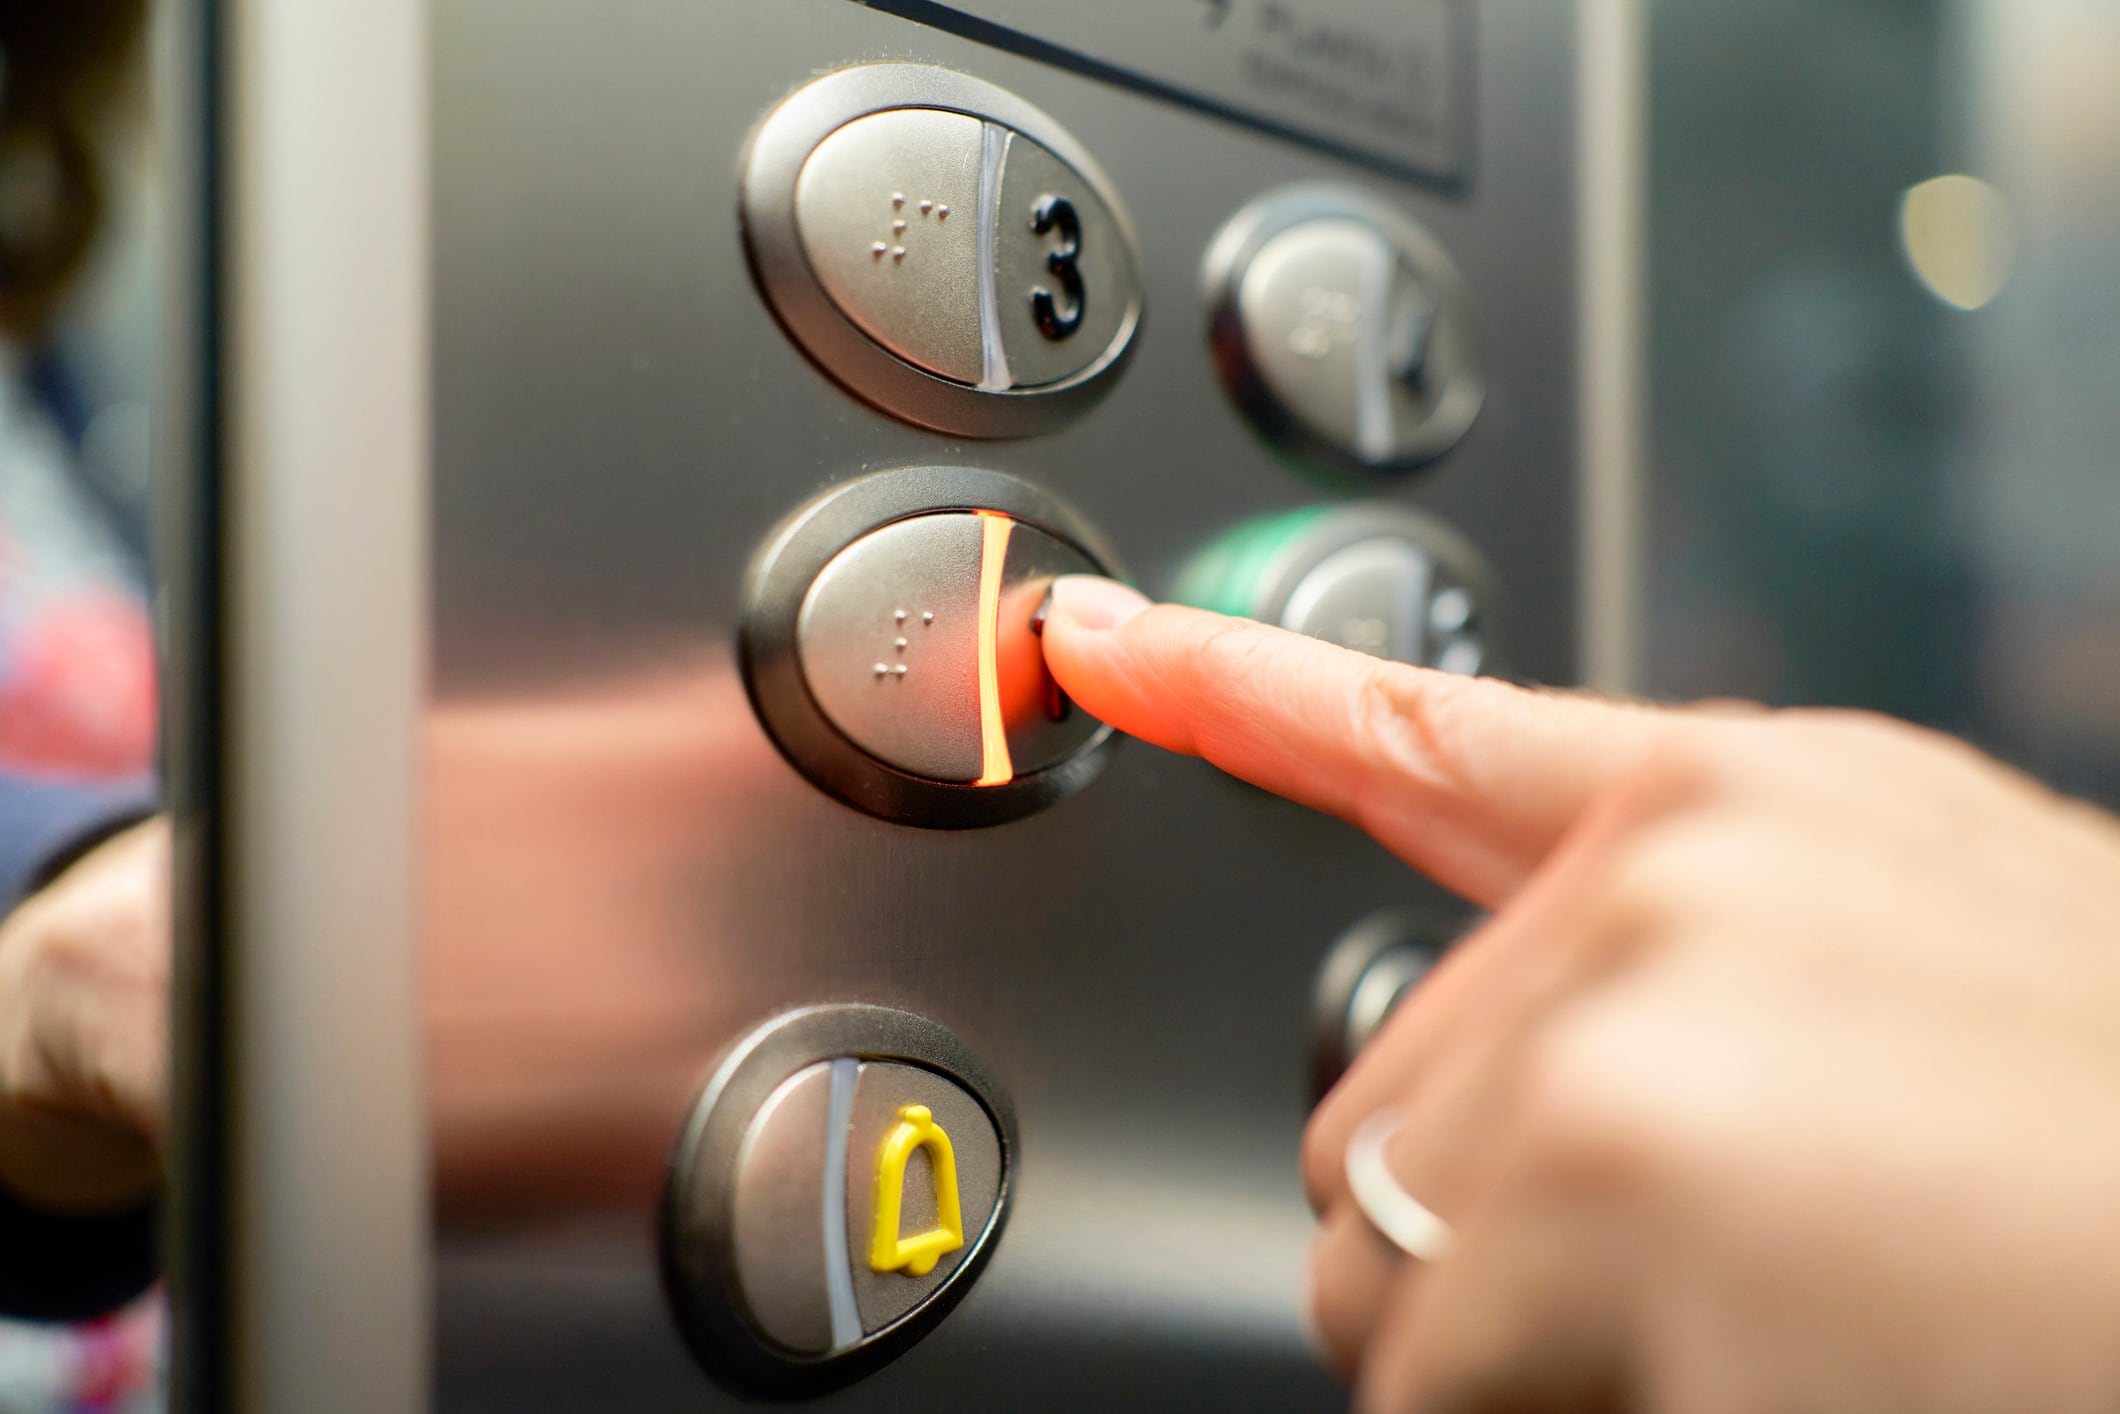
(625,876)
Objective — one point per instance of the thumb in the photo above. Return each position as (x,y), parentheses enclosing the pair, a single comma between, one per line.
(1469,780)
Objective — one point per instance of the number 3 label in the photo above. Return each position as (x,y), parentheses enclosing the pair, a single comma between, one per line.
(1053,212)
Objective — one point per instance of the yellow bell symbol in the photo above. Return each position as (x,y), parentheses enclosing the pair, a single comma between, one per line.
(915,1256)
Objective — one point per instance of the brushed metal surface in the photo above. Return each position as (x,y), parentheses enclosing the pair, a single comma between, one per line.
(777,1236)
(624,876)
(888,211)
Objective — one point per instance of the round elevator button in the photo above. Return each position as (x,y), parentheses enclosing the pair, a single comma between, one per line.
(891,646)
(1379,578)
(1343,330)
(840,1181)
(944,249)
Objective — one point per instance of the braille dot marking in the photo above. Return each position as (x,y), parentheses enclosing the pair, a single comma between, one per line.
(882,669)
(927,618)
(898,227)
(897,198)
(903,644)
(942,211)
(900,616)
(899,671)
(897,252)
(926,206)
(877,249)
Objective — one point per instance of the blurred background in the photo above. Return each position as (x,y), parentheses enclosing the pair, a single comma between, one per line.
(1884,362)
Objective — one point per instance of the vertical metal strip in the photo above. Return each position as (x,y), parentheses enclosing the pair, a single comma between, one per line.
(1611,180)
(838,1273)
(326,310)
(993,153)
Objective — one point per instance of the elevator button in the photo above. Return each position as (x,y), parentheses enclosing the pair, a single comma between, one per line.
(888,208)
(838,1184)
(1343,329)
(942,1191)
(891,646)
(1378,578)
(941,247)
(918,642)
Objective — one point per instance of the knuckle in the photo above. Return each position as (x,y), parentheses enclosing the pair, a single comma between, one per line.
(1588,1115)
(1322,1158)
(1408,721)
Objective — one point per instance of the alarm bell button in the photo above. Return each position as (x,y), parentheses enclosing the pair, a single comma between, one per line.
(923,1181)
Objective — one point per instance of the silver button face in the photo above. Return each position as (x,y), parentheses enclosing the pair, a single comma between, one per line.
(888,208)
(781,1262)
(1343,330)
(891,641)
(943,248)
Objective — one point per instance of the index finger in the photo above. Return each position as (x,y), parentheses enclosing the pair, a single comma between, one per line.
(1469,780)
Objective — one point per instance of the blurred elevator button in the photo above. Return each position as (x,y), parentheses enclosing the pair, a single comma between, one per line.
(1343,330)
(1375,577)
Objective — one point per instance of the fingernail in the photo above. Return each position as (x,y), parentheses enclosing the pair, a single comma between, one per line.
(1096,604)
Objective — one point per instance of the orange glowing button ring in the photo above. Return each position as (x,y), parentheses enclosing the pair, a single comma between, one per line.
(997,770)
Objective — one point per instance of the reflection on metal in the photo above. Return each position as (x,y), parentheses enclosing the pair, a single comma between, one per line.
(1960,239)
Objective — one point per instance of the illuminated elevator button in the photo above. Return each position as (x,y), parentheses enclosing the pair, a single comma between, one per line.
(887,209)
(917,644)
(944,1172)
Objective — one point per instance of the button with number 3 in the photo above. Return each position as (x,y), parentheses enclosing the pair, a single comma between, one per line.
(942,248)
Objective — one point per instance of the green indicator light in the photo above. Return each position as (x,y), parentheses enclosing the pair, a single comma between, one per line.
(1227,576)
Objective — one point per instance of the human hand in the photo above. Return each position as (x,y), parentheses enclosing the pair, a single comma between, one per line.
(1785,1078)
(84,1030)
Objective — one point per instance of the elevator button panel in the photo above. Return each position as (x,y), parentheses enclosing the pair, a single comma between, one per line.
(1343,330)
(942,248)
(841,1179)
(1379,578)
(891,646)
